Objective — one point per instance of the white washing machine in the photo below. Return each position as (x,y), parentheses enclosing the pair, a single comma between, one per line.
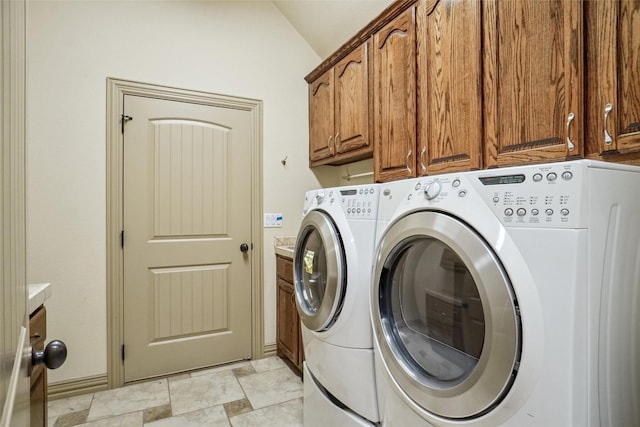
(333,263)
(510,297)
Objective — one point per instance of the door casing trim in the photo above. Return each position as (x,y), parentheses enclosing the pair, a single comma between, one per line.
(116,89)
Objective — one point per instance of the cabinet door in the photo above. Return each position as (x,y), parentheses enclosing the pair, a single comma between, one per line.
(449,86)
(288,323)
(351,76)
(533,76)
(394,103)
(613,76)
(321,144)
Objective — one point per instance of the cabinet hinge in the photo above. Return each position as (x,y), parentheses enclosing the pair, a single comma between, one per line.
(123,352)
(124,119)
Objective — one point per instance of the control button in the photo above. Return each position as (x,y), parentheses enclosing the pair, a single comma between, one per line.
(456,183)
(567,175)
(552,176)
(417,186)
(496,199)
(508,212)
(386,192)
(535,212)
(348,210)
(537,177)
(521,212)
(358,210)
(409,196)
(369,210)
(564,212)
(366,191)
(432,190)
(462,193)
(319,197)
(549,212)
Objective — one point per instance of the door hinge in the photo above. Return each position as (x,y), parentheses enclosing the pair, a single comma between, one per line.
(122,239)
(125,119)
(123,352)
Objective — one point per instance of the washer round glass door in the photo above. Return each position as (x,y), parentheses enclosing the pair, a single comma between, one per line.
(319,271)
(445,316)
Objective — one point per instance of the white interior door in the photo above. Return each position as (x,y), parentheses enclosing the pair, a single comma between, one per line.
(14,336)
(187,214)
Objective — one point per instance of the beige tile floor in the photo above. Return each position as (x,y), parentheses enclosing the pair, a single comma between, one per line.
(262,392)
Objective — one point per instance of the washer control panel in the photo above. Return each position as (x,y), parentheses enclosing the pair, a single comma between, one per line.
(356,202)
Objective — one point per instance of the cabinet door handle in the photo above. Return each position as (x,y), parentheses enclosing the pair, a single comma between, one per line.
(407,163)
(608,140)
(422,164)
(329,144)
(337,139)
(570,145)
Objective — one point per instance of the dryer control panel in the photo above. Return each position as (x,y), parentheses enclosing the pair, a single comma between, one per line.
(552,195)
(549,195)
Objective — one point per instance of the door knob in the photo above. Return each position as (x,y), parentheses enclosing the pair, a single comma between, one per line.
(244,248)
(53,356)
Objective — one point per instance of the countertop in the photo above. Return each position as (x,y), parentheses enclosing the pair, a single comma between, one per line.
(38,294)
(283,246)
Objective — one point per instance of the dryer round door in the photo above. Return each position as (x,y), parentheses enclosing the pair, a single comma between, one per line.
(319,271)
(445,316)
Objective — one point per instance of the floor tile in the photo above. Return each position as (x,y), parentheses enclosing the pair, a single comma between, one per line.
(244,371)
(227,367)
(209,417)
(271,387)
(136,397)
(72,419)
(237,407)
(69,405)
(258,393)
(268,364)
(204,391)
(157,413)
(133,419)
(287,414)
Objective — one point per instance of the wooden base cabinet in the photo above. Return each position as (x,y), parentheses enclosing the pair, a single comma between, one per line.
(288,334)
(38,334)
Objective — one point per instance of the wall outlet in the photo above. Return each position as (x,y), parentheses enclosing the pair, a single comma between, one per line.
(273,220)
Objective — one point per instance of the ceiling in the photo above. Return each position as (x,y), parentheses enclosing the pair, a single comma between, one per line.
(328,24)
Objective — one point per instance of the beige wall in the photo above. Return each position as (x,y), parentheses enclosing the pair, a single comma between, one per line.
(234,48)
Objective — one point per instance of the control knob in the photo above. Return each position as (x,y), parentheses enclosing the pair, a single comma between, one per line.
(432,190)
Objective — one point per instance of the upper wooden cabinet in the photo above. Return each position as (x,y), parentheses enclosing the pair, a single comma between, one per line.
(339,111)
(613,76)
(533,81)
(394,98)
(321,118)
(449,86)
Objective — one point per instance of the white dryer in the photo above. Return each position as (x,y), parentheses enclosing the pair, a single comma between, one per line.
(510,297)
(333,263)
